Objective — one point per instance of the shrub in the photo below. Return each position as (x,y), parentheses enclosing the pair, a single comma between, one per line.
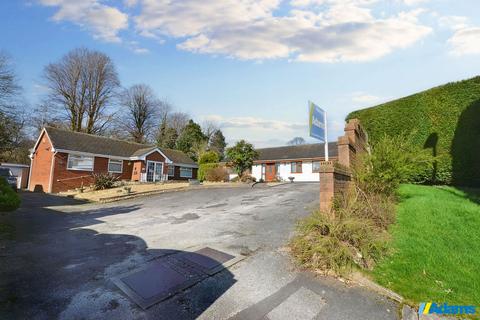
(204,168)
(217,174)
(392,161)
(445,121)
(354,233)
(103,181)
(355,236)
(248,179)
(9,199)
(209,157)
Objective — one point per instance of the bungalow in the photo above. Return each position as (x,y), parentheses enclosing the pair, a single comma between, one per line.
(301,162)
(62,160)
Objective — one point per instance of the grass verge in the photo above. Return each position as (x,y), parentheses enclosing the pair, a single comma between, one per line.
(435,246)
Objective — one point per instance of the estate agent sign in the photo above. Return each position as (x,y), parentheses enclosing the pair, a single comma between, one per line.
(318,125)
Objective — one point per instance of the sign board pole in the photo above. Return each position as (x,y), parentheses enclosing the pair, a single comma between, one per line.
(326,137)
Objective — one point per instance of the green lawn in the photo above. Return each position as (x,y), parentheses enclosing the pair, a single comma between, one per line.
(436,246)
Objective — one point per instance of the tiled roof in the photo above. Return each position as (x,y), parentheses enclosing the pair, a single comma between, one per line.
(303,151)
(89,143)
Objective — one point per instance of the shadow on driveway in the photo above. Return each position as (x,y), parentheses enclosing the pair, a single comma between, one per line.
(53,266)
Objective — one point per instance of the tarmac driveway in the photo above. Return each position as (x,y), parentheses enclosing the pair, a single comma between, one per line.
(61,256)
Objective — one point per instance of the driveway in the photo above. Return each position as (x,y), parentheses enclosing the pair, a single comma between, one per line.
(62,255)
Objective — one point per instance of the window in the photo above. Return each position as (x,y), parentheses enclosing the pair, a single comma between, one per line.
(115,166)
(315,166)
(171,170)
(76,162)
(185,172)
(296,167)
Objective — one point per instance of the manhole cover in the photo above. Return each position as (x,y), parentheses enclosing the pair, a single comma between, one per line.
(163,278)
(156,282)
(207,260)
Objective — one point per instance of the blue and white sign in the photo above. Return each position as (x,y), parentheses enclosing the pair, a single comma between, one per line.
(317,122)
(318,125)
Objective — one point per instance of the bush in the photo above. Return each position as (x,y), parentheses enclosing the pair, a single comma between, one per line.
(9,199)
(102,181)
(204,168)
(209,157)
(393,160)
(247,179)
(354,233)
(355,236)
(217,174)
(445,121)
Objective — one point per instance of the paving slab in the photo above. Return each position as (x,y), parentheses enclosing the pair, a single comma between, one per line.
(311,303)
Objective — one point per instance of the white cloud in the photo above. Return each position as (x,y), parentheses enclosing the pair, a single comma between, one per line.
(104,22)
(365,98)
(414,2)
(465,41)
(454,22)
(255,123)
(313,30)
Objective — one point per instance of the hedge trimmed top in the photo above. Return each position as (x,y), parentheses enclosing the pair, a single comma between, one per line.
(445,119)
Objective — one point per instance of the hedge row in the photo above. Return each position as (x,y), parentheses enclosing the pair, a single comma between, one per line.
(444,119)
(204,168)
(9,199)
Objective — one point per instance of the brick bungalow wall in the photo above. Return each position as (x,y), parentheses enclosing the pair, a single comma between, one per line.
(64,179)
(176,174)
(41,164)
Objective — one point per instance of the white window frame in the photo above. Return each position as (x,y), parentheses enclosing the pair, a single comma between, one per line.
(171,167)
(81,156)
(121,165)
(188,169)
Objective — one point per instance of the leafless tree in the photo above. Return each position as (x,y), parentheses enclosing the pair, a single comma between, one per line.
(143,109)
(82,85)
(43,115)
(296,141)
(8,83)
(178,121)
(209,127)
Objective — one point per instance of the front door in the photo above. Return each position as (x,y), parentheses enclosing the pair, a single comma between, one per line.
(270,172)
(154,171)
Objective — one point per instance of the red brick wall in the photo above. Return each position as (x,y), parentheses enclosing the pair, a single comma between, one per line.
(65,179)
(333,180)
(177,174)
(41,165)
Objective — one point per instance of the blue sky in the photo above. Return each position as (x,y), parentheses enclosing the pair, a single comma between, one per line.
(251,66)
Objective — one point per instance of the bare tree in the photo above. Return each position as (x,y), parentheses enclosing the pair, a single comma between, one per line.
(82,85)
(178,121)
(8,83)
(142,111)
(43,115)
(209,127)
(296,141)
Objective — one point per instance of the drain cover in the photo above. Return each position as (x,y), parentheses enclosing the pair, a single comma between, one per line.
(156,282)
(207,260)
(163,278)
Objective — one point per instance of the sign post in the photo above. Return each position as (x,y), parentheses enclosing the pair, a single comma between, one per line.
(317,121)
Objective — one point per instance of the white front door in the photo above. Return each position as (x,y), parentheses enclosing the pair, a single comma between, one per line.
(154,171)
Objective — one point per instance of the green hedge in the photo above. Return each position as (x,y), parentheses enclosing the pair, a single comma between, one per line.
(203,168)
(9,199)
(444,119)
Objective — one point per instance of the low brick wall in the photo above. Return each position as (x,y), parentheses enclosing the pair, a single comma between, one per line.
(336,176)
(334,179)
